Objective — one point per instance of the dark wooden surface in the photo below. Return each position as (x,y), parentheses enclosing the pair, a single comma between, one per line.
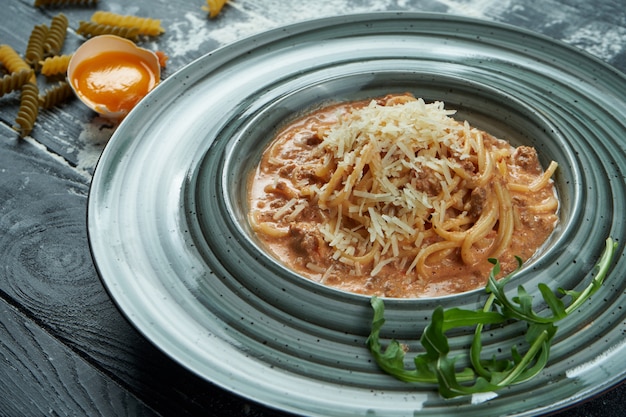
(65,349)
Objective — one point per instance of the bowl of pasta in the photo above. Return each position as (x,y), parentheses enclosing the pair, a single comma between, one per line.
(390,157)
(392,196)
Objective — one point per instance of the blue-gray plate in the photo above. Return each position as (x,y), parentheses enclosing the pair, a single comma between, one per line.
(167,211)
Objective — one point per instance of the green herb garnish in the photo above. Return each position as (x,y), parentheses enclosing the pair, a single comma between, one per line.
(435,366)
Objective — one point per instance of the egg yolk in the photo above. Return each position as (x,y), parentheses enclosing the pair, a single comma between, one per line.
(117,80)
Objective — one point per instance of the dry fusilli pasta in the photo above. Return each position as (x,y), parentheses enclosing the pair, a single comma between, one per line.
(29,109)
(146,25)
(56,34)
(90,29)
(14,81)
(41,3)
(55,65)
(11,60)
(35,48)
(215,7)
(56,95)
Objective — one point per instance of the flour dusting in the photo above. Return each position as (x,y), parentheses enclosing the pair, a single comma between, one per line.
(239,30)
(92,139)
(600,39)
(188,35)
(179,43)
(281,12)
(477,8)
(40,146)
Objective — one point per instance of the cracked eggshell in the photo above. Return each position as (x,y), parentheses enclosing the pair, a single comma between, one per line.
(125,98)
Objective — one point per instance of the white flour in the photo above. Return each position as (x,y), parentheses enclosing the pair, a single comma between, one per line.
(600,39)
(482,9)
(93,138)
(179,43)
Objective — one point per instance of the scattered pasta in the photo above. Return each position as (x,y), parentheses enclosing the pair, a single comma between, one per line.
(91,29)
(43,39)
(43,56)
(55,65)
(14,81)
(56,95)
(29,109)
(145,25)
(35,48)
(12,61)
(56,34)
(214,7)
(56,3)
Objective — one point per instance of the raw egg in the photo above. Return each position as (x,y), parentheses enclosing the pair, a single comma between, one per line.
(111,74)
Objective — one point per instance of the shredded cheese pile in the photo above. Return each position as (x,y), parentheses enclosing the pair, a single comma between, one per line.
(395,169)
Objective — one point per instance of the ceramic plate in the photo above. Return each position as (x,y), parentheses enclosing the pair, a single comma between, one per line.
(167,211)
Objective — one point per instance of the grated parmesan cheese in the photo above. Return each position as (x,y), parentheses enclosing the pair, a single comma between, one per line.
(392,144)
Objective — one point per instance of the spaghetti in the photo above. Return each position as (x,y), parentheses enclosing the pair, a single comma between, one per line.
(396,198)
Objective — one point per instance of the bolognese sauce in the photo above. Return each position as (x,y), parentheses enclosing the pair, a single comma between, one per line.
(394,197)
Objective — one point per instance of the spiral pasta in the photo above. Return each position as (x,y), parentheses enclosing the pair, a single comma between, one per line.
(29,109)
(42,3)
(14,81)
(12,61)
(145,25)
(214,7)
(56,34)
(55,65)
(35,48)
(90,29)
(55,95)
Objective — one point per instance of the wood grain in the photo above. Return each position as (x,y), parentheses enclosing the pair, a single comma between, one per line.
(48,274)
(45,378)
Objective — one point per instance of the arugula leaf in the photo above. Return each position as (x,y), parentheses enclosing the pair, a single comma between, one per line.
(521,306)
(556,304)
(435,366)
(457,317)
(391,359)
(436,358)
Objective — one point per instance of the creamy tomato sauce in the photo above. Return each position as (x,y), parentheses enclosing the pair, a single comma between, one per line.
(289,220)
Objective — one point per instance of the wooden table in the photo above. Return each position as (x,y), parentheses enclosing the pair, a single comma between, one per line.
(65,349)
